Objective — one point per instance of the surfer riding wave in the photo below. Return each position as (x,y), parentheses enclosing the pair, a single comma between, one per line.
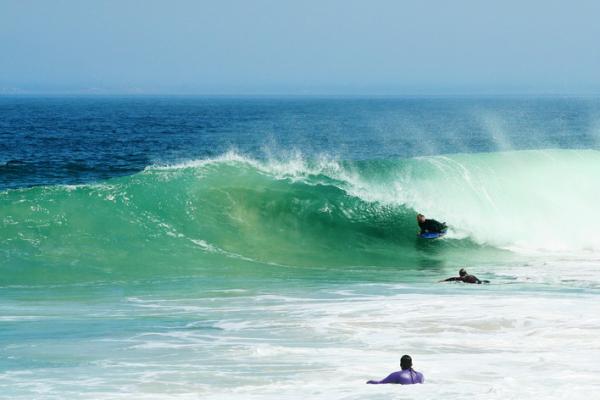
(430,225)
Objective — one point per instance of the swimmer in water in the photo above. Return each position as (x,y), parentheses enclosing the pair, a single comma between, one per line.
(465,277)
(406,376)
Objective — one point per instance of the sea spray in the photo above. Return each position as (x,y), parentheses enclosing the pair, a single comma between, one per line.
(237,211)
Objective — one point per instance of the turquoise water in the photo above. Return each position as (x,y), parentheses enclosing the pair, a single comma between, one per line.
(300,274)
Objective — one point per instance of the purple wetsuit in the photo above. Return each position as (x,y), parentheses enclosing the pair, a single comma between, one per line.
(404,377)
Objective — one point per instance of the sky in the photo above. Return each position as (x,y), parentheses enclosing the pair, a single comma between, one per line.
(388,47)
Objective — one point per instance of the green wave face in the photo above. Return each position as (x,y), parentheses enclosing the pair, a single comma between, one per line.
(237,217)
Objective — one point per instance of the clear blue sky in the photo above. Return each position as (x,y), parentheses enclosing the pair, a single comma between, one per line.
(295,47)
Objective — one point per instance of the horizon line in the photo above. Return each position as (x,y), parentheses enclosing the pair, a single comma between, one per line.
(292,94)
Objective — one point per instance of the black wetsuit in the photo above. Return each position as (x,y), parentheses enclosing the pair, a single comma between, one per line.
(466,279)
(431,225)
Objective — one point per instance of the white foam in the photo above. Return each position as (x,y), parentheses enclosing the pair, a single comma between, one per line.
(469,341)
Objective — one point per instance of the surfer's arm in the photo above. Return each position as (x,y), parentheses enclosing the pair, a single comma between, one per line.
(453,279)
(391,378)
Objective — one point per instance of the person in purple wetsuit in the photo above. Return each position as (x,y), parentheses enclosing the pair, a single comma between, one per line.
(407,376)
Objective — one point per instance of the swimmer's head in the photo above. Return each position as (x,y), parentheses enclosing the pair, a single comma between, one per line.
(406,362)
(462,272)
(420,218)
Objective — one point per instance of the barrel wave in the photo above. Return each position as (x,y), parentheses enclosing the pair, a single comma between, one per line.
(239,215)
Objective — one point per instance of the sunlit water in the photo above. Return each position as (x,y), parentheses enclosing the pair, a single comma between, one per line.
(267,249)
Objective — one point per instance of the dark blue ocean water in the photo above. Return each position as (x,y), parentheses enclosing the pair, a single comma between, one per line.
(81,139)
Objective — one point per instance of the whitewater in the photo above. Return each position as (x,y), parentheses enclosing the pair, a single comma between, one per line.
(299,273)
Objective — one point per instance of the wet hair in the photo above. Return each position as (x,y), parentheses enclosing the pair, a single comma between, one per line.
(406,362)
(462,272)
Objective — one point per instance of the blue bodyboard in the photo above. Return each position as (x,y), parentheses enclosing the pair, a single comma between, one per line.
(431,235)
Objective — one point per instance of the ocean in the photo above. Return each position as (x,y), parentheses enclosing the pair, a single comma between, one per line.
(266,248)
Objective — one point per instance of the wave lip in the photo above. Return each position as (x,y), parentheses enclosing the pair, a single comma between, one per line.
(526,201)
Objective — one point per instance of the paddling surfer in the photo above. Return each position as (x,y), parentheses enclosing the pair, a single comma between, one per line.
(465,277)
